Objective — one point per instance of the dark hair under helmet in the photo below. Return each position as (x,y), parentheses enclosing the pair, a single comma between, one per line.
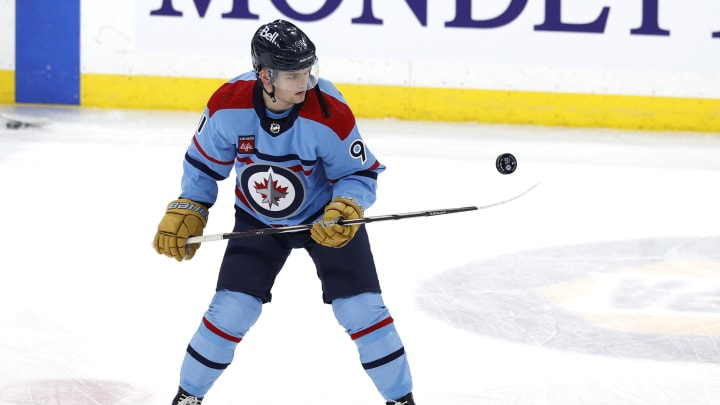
(281,45)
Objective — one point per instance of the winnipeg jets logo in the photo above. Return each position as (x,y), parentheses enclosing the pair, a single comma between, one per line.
(272,191)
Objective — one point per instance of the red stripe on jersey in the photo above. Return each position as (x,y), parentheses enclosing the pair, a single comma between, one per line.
(341,120)
(245,160)
(299,169)
(239,194)
(385,322)
(237,94)
(220,333)
(208,157)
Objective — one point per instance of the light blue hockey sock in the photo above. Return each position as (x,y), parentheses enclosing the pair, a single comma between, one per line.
(382,354)
(212,347)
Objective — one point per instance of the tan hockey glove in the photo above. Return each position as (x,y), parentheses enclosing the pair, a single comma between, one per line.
(335,235)
(183,219)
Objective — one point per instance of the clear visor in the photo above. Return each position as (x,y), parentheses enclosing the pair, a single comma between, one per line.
(295,80)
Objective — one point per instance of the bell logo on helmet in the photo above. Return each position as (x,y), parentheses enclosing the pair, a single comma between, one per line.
(265,33)
(283,46)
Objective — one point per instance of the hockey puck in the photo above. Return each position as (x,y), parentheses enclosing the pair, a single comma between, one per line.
(13,124)
(506,163)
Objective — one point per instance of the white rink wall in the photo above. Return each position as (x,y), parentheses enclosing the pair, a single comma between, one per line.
(122,38)
(7,35)
(646,64)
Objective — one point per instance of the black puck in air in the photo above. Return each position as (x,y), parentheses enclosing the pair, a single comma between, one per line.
(506,163)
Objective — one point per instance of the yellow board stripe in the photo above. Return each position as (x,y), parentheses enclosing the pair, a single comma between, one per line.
(535,108)
(146,92)
(7,86)
(421,103)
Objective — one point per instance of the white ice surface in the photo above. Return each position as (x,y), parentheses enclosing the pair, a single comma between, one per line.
(601,286)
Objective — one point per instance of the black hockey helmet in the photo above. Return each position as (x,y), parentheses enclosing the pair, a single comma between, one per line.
(280,45)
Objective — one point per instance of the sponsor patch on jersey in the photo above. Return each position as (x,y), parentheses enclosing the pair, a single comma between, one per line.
(246,143)
(272,191)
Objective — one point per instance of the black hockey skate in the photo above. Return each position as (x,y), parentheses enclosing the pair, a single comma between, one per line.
(184,398)
(406,400)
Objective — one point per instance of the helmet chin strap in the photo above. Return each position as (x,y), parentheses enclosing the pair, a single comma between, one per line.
(270,93)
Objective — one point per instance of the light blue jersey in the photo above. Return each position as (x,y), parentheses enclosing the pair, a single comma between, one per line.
(288,166)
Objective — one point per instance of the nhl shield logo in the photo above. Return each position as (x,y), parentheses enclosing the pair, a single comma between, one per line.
(272,191)
(275,128)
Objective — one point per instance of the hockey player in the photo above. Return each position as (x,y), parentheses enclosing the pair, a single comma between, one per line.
(299,158)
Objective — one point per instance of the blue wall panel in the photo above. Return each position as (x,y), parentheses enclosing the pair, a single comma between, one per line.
(47,51)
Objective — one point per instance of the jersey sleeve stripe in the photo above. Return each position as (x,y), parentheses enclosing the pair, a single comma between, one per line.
(203,168)
(364,173)
(208,157)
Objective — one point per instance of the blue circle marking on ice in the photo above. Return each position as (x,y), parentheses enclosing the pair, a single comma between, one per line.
(649,298)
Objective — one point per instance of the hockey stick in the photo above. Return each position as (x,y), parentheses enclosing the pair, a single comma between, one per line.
(366,220)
